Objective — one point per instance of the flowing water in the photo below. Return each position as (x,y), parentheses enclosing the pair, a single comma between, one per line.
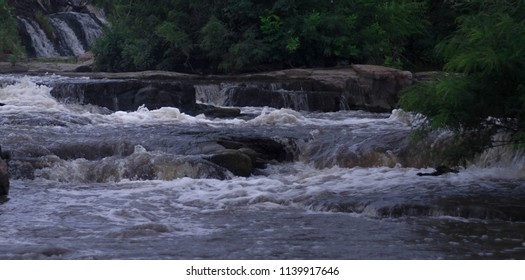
(87,183)
(62,34)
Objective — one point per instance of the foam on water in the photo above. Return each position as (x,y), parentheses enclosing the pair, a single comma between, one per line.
(145,116)
(140,165)
(27,95)
(278,117)
(366,191)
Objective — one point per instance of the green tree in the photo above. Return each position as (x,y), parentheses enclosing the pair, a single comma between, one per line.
(215,40)
(248,35)
(10,45)
(485,90)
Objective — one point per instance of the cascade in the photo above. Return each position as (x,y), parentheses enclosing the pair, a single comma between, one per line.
(67,38)
(66,34)
(210,94)
(40,45)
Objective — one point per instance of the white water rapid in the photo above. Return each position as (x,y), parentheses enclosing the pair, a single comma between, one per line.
(89,183)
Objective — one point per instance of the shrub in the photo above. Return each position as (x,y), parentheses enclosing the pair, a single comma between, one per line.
(486,93)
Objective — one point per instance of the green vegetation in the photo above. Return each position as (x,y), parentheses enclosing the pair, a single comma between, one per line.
(10,46)
(248,35)
(484,92)
(46,25)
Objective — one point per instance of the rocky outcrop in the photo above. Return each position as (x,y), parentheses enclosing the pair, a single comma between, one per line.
(242,156)
(368,87)
(376,88)
(128,95)
(258,95)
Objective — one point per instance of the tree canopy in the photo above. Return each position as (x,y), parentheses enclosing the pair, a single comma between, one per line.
(484,90)
(249,35)
(9,41)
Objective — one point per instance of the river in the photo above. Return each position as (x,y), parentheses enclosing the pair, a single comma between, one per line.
(92,184)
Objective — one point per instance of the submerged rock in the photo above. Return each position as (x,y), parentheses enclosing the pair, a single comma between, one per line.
(239,163)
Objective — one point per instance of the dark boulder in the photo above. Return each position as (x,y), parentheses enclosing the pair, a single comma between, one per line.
(237,162)
(216,112)
(243,156)
(266,149)
(128,95)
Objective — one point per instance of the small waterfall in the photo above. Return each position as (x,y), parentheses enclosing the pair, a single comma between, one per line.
(210,94)
(41,45)
(68,40)
(74,33)
(295,100)
(85,26)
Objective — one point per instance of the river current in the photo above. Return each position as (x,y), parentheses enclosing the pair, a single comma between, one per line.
(87,183)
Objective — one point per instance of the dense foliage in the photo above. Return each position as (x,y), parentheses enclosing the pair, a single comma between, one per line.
(10,46)
(486,92)
(248,35)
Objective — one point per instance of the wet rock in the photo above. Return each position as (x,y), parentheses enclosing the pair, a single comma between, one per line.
(237,162)
(216,112)
(266,149)
(128,95)
(376,88)
(302,100)
(368,87)
(242,156)
(440,170)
